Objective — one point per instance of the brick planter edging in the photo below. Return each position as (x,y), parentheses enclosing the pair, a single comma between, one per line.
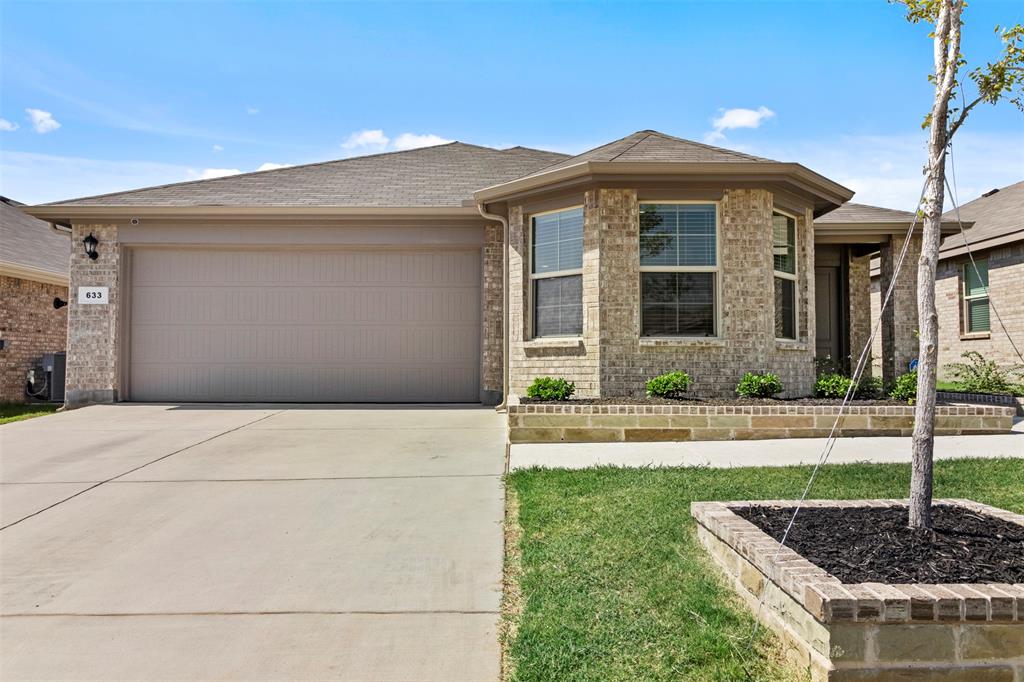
(846,631)
(602,423)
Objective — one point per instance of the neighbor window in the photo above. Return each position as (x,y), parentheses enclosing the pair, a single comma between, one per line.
(556,271)
(975,297)
(678,269)
(784,257)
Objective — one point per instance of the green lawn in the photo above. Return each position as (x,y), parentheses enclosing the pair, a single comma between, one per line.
(605,579)
(15,412)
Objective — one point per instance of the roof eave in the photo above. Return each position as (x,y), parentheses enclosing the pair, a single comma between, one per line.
(897,228)
(831,192)
(20,271)
(68,213)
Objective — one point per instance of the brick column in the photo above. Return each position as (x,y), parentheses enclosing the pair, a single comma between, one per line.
(859,288)
(492,322)
(899,319)
(92,362)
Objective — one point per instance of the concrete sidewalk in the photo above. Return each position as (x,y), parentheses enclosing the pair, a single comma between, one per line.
(781,452)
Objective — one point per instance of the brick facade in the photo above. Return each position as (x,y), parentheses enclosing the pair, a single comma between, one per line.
(611,358)
(92,369)
(491,366)
(859,287)
(1006,289)
(29,327)
(899,321)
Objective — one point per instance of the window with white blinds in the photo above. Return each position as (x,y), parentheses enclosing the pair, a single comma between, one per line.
(556,273)
(974,297)
(784,259)
(679,269)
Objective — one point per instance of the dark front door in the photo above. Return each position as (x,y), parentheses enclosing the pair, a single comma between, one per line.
(828,313)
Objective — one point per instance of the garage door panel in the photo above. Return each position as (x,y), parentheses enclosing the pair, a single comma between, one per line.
(356,325)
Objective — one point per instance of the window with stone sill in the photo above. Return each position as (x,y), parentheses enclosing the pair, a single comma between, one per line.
(556,273)
(974,297)
(785,276)
(679,269)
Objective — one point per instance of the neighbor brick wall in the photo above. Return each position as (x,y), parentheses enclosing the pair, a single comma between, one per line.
(491,315)
(1006,294)
(612,359)
(30,327)
(92,366)
(899,321)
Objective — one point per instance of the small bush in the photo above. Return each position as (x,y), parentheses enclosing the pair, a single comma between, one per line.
(550,388)
(832,386)
(869,388)
(759,385)
(669,385)
(979,375)
(905,388)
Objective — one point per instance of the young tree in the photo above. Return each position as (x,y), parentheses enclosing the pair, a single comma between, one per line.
(1003,79)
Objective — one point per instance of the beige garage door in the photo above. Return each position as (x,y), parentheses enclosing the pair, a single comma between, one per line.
(354,325)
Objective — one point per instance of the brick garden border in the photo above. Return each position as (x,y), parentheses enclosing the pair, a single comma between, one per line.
(868,631)
(588,423)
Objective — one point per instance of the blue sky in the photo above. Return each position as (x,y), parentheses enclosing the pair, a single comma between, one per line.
(98,97)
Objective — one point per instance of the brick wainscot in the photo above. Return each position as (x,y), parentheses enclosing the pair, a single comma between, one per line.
(868,631)
(553,423)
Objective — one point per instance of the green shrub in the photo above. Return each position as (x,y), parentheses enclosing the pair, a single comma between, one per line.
(832,386)
(550,388)
(868,388)
(669,385)
(759,385)
(979,375)
(905,387)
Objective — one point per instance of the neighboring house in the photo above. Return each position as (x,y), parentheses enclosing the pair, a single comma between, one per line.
(33,272)
(968,299)
(380,278)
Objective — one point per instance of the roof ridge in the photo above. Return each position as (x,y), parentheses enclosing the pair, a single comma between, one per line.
(271,170)
(706,146)
(646,134)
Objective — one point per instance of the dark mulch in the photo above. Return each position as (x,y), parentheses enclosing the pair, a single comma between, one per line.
(868,544)
(710,401)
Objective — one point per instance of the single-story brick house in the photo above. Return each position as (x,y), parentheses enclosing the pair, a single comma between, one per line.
(968,299)
(33,272)
(381,278)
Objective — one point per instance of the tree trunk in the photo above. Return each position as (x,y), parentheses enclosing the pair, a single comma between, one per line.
(947,50)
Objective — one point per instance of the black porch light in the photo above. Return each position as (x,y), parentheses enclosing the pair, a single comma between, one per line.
(90,243)
(59,303)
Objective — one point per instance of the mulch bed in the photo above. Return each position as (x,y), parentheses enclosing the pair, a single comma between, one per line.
(871,544)
(710,401)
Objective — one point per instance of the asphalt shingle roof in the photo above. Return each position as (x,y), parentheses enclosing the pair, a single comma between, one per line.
(862,213)
(30,242)
(654,147)
(995,214)
(440,176)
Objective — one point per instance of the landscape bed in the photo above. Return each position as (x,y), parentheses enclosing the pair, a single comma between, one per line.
(853,601)
(583,421)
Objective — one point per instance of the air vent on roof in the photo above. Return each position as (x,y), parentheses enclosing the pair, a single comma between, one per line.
(990,192)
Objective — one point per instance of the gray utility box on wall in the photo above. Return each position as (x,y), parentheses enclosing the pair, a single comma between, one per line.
(54,365)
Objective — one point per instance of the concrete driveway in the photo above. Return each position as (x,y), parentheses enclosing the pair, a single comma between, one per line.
(251,542)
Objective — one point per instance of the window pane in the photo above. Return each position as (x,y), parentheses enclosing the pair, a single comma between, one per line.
(558,306)
(558,241)
(784,243)
(977,315)
(678,303)
(677,234)
(973,284)
(785,308)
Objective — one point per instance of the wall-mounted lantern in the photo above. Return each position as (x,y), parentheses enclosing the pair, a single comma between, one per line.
(59,303)
(91,243)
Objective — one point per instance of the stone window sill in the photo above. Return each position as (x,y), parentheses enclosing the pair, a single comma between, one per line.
(681,342)
(976,336)
(570,342)
(790,345)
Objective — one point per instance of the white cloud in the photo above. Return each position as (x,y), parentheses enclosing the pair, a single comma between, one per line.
(218,148)
(273,166)
(8,126)
(413,141)
(731,119)
(210,173)
(42,121)
(366,142)
(252,111)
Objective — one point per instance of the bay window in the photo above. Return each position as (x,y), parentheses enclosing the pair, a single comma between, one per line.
(784,258)
(679,269)
(556,273)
